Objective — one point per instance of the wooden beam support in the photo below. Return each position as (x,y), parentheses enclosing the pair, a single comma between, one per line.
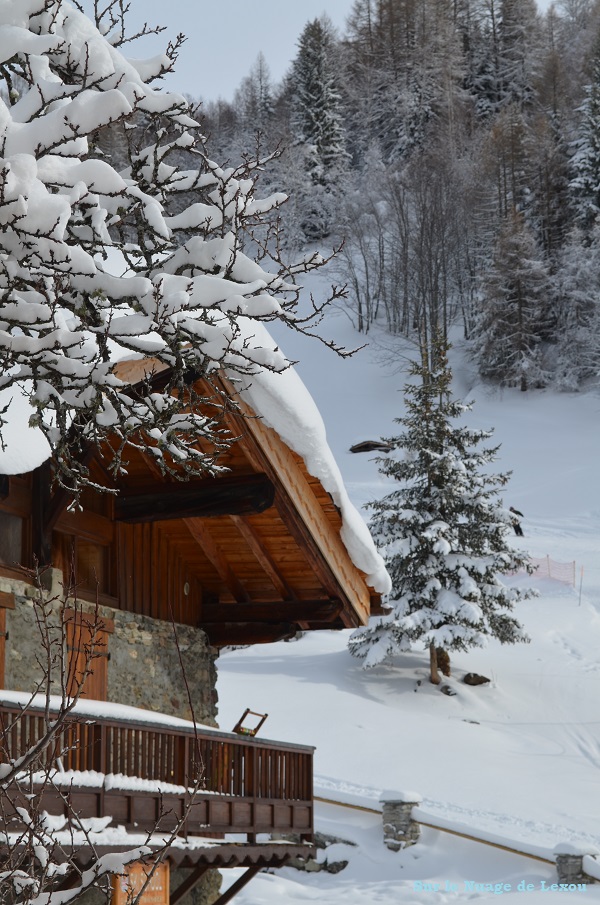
(218,560)
(238,885)
(288,611)
(266,562)
(40,530)
(189,883)
(223,634)
(228,495)
(302,515)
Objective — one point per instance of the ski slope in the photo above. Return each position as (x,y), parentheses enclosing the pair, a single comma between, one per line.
(519,758)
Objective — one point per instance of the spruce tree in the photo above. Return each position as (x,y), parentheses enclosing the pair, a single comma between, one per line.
(317,129)
(516,313)
(585,163)
(443,532)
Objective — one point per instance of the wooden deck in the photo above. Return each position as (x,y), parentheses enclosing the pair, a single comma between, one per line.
(242,787)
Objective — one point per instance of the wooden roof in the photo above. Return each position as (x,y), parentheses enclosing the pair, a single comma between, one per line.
(253,555)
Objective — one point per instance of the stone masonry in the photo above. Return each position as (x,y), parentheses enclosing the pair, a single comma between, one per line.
(144,668)
(399,829)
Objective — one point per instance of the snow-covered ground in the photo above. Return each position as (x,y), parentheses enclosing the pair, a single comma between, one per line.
(519,758)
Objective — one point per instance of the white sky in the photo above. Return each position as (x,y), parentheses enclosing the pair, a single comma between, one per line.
(226,36)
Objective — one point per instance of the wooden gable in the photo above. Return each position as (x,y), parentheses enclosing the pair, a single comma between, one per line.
(251,556)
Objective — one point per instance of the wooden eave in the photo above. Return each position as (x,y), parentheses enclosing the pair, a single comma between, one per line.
(307,510)
(258,550)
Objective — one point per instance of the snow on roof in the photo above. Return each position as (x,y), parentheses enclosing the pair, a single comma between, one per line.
(285,405)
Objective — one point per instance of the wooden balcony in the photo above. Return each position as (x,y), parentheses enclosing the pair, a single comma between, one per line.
(148,777)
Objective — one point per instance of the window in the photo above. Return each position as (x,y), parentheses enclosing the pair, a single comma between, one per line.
(11,539)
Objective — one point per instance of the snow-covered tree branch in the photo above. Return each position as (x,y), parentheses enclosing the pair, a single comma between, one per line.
(105,256)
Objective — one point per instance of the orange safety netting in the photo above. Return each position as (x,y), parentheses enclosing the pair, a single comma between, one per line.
(550,568)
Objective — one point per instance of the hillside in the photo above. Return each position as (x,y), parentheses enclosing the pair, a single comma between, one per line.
(519,758)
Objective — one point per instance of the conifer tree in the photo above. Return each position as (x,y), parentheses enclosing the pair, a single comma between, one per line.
(317,128)
(585,164)
(515,313)
(254,98)
(443,532)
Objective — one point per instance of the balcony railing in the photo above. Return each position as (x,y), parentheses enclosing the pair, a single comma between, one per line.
(242,785)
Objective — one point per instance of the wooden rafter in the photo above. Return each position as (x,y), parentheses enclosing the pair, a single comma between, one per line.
(222,634)
(202,536)
(262,556)
(290,611)
(228,495)
(302,514)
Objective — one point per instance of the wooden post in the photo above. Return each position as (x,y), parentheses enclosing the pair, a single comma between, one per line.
(188,884)
(239,884)
(434,676)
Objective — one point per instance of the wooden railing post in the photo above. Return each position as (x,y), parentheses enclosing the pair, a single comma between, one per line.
(182,759)
(99,747)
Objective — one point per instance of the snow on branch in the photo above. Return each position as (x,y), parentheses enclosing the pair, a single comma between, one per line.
(120,237)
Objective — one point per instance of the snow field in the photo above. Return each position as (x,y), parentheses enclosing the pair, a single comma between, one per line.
(519,758)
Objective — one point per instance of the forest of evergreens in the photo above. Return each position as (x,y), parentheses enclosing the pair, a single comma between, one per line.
(455,146)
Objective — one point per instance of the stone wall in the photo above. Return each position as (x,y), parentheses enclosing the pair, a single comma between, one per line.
(144,669)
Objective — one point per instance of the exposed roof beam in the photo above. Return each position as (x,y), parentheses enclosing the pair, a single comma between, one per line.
(221,634)
(228,495)
(217,559)
(252,538)
(292,611)
(302,514)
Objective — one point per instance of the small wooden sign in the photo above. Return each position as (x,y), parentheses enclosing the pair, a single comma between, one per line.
(128,885)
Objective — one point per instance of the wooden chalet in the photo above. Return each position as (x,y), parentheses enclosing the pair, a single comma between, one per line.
(252,556)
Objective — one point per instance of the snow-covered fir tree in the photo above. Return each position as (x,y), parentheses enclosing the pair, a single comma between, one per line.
(317,129)
(112,256)
(585,163)
(578,311)
(254,99)
(516,310)
(443,532)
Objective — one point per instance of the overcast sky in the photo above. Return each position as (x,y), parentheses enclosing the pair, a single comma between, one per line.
(226,36)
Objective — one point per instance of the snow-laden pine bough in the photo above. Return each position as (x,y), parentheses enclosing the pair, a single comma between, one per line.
(443,532)
(121,238)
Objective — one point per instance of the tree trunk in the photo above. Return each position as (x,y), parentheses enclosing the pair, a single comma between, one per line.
(434,676)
